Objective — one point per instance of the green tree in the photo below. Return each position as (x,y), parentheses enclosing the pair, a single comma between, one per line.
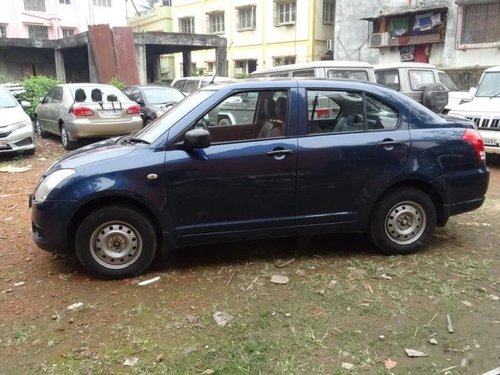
(36,87)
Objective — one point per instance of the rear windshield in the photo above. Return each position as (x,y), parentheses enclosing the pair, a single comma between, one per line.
(6,100)
(98,94)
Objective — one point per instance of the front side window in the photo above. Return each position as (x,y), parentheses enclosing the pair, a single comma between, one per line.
(445,79)
(36,5)
(419,79)
(478,25)
(388,78)
(38,32)
(328,12)
(247,116)
(216,23)
(332,111)
(102,3)
(246,18)
(285,13)
(186,25)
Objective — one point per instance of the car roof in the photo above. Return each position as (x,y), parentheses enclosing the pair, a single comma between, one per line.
(405,65)
(493,69)
(152,87)
(316,64)
(84,84)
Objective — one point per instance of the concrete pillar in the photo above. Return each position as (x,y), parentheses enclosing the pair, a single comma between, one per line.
(93,73)
(221,61)
(186,64)
(142,66)
(157,68)
(59,60)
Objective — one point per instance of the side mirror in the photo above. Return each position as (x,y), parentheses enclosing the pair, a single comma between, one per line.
(197,138)
(473,91)
(25,104)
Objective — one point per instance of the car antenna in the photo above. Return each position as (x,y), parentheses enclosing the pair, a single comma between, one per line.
(225,58)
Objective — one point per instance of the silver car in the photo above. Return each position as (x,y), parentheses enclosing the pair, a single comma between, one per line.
(86,110)
(16,130)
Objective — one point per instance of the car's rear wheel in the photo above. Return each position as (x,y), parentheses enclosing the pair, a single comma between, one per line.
(39,129)
(402,221)
(224,121)
(115,242)
(67,143)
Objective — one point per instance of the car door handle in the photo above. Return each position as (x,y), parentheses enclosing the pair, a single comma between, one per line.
(389,143)
(280,152)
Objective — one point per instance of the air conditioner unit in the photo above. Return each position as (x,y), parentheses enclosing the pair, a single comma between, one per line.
(329,45)
(379,40)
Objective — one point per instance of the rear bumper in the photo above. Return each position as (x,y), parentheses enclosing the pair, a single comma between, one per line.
(83,128)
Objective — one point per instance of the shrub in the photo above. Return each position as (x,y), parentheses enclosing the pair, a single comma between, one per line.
(115,81)
(36,87)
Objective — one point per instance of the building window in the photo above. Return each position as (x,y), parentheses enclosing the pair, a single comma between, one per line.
(3,31)
(166,3)
(479,26)
(102,3)
(216,23)
(37,5)
(68,2)
(38,32)
(186,25)
(66,32)
(283,60)
(210,66)
(328,12)
(244,67)
(284,13)
(246,18)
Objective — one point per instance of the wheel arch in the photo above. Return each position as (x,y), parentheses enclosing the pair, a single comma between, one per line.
(104,201)
(423,186)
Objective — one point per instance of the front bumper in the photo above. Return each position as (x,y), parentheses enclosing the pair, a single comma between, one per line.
(18,140)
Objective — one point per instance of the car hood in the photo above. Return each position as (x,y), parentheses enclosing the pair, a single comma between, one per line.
(93,153)
(478,105)
(9,116)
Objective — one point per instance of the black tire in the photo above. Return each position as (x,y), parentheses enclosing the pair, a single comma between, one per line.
(39,129)
(116,242)
(435,97)
(402,221)
(224,121)
(67,143)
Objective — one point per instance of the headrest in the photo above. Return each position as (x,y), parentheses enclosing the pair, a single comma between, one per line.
(96,95)
(80,95)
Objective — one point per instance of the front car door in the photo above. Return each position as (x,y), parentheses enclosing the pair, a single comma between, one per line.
(351,144)
(244,181)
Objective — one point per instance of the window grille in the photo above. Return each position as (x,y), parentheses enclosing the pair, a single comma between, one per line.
(216,23)
(36,5)
(102,3)
(186,25)
(246,18)
(479,25)
(3,31)
(328,12)
(38,32)
(284,13)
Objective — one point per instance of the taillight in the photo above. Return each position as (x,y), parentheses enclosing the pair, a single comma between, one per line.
(134,110)
(474,138)
(82,111)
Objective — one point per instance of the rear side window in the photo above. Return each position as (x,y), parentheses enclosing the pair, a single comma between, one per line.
(389,78)
(303,73)
(332,111)
(179,84)
(359,75)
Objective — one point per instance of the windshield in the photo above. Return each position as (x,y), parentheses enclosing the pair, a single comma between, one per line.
(161,95)
(157,128)
(6,100)
(446,80)
(490,85)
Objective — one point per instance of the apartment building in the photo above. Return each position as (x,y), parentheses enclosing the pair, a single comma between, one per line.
(55,19)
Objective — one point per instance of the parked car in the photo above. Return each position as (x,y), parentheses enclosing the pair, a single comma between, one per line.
(16,130)
(154,100)
(418,81)
(371,161)
(484,108)
(86,110)
(188,85)
(358,70)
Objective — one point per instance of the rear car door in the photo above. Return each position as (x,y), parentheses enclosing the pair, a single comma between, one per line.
(351,144)
(244,181)
(48,111)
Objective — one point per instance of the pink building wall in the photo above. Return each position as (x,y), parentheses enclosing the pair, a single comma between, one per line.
(76,16)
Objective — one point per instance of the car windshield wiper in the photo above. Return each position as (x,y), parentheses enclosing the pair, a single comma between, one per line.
(137,140)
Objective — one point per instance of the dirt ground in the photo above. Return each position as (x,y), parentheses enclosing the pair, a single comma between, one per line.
(344,310)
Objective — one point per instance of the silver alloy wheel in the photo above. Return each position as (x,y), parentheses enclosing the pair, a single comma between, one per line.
(64,136)
(38,128)
(405,222)
(116,245)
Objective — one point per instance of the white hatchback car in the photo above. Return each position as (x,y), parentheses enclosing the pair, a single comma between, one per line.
(16,130)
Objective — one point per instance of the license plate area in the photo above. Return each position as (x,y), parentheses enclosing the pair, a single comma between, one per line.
(3,144)
(110,112)
(490,142)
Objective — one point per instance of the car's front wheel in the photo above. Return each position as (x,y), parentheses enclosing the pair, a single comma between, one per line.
(67,143)
(116,242)
(39,129)
(402,221)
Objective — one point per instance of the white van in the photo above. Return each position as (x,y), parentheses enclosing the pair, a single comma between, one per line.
(321,69)
(484,109)
(188,85)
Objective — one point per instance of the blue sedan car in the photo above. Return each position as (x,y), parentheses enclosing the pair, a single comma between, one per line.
(305,157)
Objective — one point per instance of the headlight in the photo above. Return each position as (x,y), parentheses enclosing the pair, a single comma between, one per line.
(50,182)
(19,125)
